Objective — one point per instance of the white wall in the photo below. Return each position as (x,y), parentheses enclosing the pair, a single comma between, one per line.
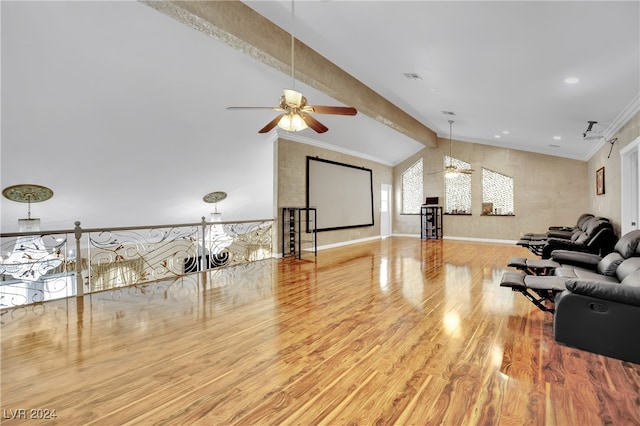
(94,106)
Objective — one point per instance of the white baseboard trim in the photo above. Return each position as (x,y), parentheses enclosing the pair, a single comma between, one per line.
(340,244)
(346,243)
(480,240)
(378,237)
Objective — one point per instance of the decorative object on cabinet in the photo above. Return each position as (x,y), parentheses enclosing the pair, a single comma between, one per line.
(487,209)
(430,222)
(299,231)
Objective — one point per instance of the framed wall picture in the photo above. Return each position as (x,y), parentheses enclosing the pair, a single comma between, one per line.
(600,181)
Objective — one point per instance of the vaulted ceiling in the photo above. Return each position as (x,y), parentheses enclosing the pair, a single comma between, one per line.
(499,66)
(141,93)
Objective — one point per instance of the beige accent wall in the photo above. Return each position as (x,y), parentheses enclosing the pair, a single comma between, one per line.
(609,204)
(548,190)
(291,158)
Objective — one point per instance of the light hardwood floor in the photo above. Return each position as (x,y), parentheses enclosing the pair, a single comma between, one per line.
(396,331)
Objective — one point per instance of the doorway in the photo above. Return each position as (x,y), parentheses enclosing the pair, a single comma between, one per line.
(385,210)
(630,187)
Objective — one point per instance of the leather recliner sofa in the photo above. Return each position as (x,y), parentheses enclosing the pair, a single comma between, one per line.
(596,235)
(558,231)
(601,316)
(596,304)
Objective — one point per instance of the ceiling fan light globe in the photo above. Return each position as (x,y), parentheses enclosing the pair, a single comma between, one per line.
(292,123)
(450,175)
(298,122)
(293,97)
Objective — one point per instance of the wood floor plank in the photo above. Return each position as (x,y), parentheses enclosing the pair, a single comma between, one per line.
(395,331)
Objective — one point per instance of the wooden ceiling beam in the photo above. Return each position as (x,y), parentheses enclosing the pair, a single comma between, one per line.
(239,26)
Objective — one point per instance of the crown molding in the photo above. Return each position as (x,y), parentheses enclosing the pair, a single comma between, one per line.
(621,119)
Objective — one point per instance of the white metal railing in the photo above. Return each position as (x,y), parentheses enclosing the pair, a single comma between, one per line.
(47,265)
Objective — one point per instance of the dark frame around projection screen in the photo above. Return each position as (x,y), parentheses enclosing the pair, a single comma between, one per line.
(341,193)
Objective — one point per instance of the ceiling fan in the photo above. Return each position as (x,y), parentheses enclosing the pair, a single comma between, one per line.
(295,112)
(451,171)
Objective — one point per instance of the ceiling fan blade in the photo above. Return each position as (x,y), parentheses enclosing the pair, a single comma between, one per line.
(271,108)
(313,123)
(434,173)
(273,123)
(338,110)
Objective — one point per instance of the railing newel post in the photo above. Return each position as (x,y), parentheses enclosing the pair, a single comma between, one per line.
(203,246)
(79,285)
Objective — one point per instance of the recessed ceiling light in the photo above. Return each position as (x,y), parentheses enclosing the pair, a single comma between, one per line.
(497,136)
(506,132)
(572,80)
(557,138)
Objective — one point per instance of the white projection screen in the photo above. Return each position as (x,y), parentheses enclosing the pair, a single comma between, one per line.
(341,193)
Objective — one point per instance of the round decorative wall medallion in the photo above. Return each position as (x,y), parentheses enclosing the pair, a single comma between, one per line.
(214,197)
(27,193)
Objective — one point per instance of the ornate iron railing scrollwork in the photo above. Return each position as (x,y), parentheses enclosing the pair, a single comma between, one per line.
(34,268)
(131,257)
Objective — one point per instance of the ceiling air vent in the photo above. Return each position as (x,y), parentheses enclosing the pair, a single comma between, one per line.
(412,76)
(448,113)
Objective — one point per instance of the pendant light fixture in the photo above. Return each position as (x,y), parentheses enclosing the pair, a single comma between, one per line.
(30,258)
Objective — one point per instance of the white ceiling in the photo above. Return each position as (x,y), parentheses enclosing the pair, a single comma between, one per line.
(498,65)
(138,94)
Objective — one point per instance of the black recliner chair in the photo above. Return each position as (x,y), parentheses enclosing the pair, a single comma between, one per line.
(541,279)
(596,235)
(600,316)
(595,300)
(558,231)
